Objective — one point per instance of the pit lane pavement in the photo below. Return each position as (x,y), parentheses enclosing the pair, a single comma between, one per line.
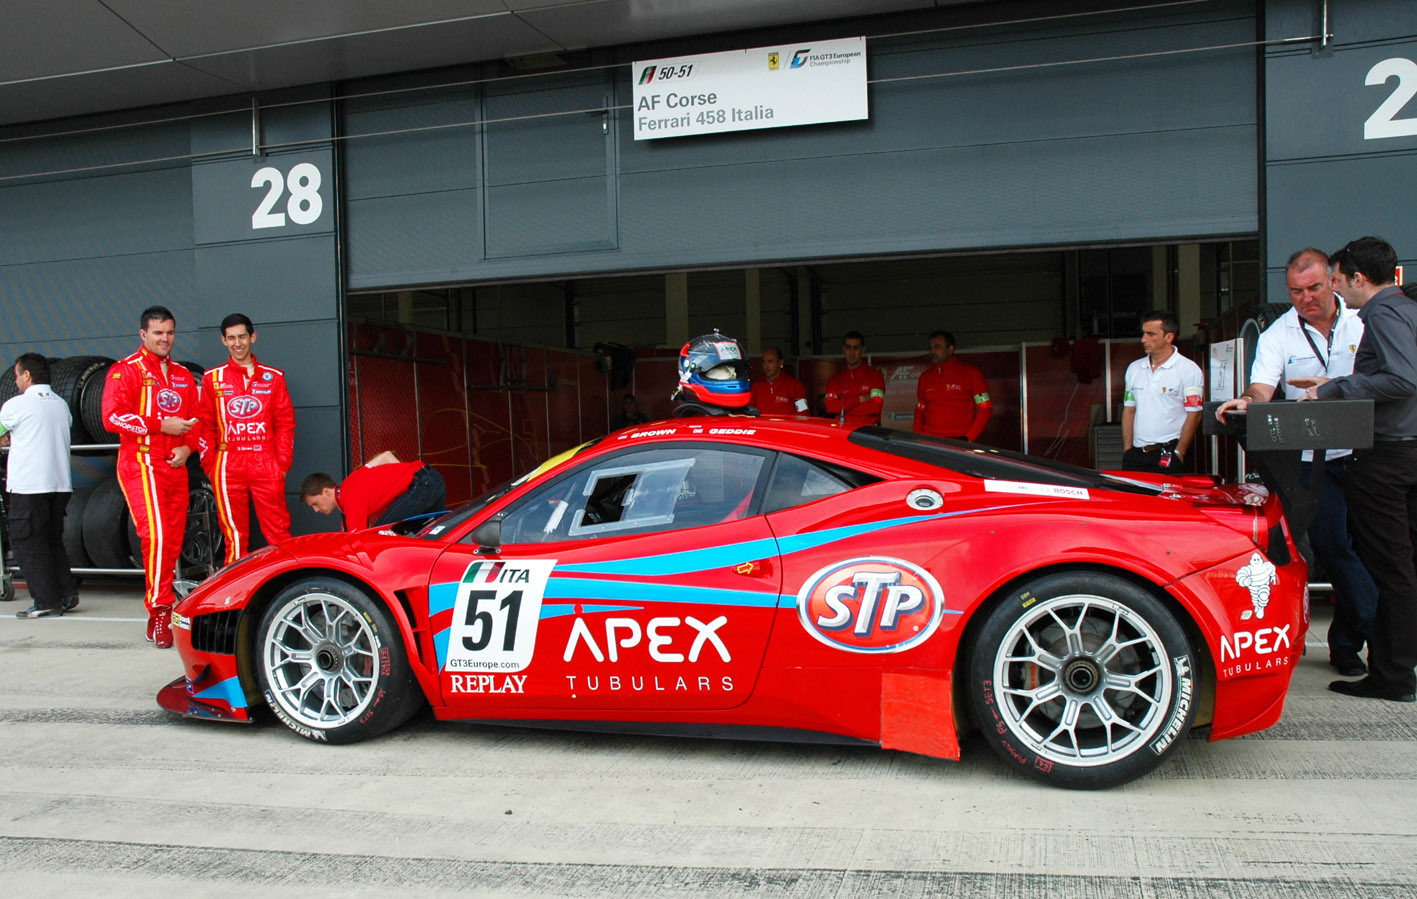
(103,792)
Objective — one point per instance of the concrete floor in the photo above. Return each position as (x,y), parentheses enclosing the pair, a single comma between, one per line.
(104,793)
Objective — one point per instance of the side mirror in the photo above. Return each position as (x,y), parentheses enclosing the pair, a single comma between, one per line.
(488,535)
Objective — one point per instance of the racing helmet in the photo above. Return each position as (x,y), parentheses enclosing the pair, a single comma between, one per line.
(713,371)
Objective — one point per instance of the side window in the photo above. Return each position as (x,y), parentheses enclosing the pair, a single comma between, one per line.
(641,492)
(631,496)
(797,481)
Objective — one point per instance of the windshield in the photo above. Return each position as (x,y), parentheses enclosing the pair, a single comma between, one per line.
(437,528)
(990,464)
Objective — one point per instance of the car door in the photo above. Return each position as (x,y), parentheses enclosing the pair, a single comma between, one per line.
(861,569)
(638,580)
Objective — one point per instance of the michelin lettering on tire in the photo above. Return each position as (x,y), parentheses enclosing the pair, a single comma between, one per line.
(1185,690)
(872,604)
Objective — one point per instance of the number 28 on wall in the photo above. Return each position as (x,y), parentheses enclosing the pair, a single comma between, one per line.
(1384,121)
(304,204)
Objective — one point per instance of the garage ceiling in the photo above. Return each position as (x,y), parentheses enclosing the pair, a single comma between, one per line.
(70,57)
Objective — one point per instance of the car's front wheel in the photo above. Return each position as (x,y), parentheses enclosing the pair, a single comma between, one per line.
(331,665)
(1083,679)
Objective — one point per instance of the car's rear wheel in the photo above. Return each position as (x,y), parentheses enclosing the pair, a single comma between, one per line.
(331,664)
(1083,679)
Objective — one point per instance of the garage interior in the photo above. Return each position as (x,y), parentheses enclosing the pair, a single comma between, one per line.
(505,375)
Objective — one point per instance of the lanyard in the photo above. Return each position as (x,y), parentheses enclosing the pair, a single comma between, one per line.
(1314,346)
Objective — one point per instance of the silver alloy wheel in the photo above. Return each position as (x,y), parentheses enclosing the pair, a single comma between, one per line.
(1083,680)
(321,660)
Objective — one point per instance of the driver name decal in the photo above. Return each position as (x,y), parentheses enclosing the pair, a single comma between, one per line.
(872,604)
(495,617)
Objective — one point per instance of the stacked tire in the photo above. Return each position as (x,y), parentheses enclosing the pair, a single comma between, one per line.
(71,377)
(105,528)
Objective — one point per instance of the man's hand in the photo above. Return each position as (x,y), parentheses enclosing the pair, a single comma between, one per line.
(179,455)
(1239,405)
(1310,385)
(177,426)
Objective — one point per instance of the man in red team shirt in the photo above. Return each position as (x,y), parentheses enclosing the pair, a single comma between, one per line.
(150,402)
(248,442)
(856,393)
(951,398)
(381,491)
(778,393)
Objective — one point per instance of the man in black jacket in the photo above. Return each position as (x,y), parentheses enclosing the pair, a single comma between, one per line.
(1381,483)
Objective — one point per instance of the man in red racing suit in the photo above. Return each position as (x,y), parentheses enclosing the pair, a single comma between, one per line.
(248,428)
(952,399)
(856,393)
(151,403)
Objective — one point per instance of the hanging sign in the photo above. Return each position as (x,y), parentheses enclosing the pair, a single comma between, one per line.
(741,90)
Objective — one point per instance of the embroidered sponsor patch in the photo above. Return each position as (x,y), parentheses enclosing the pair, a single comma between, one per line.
(243,407)
(169,400)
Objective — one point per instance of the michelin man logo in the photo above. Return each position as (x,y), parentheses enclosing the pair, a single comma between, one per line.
(1257,577)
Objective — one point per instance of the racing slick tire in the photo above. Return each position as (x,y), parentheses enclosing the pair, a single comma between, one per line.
(104,525)
(1083,679)
(90,407)
(203,546)
(74,528)
(68,377)
(331,664)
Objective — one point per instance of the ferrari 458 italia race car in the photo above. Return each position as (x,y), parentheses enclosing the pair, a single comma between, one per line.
(728,575)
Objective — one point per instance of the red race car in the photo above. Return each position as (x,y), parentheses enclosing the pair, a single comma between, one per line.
(730,575)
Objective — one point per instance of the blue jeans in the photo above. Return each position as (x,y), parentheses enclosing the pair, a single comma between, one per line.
(1356,596)
(425,494)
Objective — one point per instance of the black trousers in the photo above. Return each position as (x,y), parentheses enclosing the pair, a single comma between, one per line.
(1138,459)
(37,536)
(1381,489)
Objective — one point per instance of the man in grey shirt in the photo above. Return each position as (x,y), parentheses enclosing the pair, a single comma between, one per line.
(36,424)
(1381,483)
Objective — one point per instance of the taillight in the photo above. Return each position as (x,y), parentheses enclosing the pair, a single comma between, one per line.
(1248,520)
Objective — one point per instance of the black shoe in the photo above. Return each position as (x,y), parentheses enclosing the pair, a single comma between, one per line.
(1347,665)
(37,612)
(71,603)
(1367,688)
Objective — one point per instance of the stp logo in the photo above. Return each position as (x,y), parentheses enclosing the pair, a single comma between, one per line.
(874,604)
(243,407)
(169,400)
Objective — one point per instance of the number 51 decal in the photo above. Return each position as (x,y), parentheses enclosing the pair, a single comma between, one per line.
(305,203)
(495,615)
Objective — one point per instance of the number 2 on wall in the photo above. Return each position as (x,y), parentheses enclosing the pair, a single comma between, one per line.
(1384,121)
(305,203)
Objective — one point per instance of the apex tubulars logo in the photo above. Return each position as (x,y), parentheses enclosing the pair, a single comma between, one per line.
(873,604)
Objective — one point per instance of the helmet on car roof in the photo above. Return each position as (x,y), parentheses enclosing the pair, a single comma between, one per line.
(713,371)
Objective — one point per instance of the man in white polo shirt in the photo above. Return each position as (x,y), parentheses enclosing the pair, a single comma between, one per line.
(1319,338)
(1162,404)
(36,424)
